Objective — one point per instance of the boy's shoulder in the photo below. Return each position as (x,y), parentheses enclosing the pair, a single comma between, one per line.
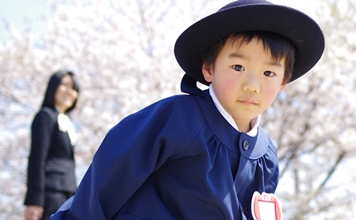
(182,104)
(269,141)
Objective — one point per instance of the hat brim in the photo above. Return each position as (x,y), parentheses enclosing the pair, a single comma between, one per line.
(303,31)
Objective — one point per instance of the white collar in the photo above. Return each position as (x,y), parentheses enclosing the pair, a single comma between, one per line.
(254,123)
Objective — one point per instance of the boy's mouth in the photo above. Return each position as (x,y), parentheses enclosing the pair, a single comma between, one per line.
(248,101)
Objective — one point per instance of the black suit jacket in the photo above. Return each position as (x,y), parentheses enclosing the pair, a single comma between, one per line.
(51,161)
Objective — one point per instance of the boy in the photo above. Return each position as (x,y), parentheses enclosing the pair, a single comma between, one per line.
(203,155)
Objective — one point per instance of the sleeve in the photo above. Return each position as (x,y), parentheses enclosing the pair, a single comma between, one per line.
(41,133)
(130,152)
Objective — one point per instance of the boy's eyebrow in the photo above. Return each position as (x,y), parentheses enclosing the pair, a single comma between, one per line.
(236,55)
(275,62)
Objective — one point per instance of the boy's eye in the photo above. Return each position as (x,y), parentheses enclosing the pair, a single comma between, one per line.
(269,73)
(238,67)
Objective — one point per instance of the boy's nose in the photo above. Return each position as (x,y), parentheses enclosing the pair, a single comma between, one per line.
(251,85)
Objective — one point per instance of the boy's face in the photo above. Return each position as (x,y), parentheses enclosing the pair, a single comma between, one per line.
(246,79)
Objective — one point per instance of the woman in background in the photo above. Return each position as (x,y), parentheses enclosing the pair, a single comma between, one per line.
(50,174)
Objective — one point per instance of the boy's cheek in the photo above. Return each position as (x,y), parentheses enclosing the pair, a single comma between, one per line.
(271,94)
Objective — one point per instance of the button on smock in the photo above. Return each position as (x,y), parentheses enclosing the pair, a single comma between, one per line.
(254,147)
(245,145)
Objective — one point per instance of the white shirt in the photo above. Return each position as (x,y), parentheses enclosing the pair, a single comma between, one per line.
(66,125)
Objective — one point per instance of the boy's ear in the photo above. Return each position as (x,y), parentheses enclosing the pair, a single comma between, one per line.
(206,70)
(283,86)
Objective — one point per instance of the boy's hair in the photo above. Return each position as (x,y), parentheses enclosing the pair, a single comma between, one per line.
(279,46)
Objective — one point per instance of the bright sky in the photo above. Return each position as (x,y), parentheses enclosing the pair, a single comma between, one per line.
(17,12)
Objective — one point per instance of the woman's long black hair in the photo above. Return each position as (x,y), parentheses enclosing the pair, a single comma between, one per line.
(52,86)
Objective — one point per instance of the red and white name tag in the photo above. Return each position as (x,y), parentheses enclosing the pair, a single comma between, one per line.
(265,207)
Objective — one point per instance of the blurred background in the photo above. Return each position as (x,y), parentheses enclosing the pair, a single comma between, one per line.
(122,53)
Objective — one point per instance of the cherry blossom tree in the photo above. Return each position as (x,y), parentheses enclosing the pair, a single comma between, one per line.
(122,53)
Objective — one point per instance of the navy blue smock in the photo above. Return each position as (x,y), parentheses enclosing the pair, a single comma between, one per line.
(175,159)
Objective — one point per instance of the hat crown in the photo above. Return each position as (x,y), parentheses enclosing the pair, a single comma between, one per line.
(241,3)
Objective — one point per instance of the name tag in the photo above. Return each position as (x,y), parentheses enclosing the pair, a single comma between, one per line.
(265,206)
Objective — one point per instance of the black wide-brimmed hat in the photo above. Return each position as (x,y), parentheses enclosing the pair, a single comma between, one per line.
(251,15)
